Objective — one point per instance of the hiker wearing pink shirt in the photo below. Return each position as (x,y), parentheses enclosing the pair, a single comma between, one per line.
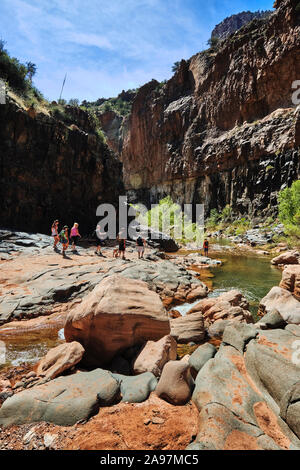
(75,235)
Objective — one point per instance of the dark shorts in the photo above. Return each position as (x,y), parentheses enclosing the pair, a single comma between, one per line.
(121,246)
(75,239)
(63,241)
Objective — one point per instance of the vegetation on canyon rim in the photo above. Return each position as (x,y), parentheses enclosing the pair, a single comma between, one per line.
(18,79)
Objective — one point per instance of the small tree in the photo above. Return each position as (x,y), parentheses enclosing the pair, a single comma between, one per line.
(62,102)
(2,45)
(108,107)
(31,70)
(175,67)
(74,102)
(213,42)
(289,209)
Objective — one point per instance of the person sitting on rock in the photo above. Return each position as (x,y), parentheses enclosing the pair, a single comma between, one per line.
(54,233)
(64,239)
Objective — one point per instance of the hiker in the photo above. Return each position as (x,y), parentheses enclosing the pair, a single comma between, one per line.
(122,244)
(205,247)
(75,235)
(140,246)
(99,240)
(64,239)
(54,233)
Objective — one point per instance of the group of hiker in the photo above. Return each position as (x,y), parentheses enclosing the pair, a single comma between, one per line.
(119,251)
(63,238)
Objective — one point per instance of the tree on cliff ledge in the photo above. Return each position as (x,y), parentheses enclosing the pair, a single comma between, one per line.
(31,70)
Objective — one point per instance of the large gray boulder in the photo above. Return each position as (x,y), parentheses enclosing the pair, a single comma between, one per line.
(63,401)
(138,388)
(245,394)
(271,320)
(199,358)
(290,408)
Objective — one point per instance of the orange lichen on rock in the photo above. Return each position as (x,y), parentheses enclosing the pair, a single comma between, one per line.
(268,423)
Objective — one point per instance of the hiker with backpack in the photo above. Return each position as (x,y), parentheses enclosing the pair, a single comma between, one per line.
(140,246)
(64,239)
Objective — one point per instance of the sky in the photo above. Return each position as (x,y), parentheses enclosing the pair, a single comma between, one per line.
(106,46)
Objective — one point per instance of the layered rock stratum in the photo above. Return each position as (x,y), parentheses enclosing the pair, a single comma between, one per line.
(49,170)
(224,129)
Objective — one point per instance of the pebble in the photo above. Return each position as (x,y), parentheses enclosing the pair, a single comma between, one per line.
(49,440)
(29,436)
(157,420)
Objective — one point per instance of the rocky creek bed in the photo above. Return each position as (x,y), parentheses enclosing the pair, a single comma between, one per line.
(91,341)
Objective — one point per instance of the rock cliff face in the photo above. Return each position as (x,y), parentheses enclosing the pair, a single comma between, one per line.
(234,22)
(224,129)
(49,171)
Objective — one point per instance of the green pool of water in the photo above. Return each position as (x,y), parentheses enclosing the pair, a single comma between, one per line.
(253,276)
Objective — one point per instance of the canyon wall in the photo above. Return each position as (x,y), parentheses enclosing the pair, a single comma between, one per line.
(234,22)
(49,170)
(223,130)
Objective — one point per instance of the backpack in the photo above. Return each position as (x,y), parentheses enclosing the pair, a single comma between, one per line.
(140,241)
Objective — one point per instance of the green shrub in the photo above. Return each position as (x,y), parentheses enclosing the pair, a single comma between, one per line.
(289,209)
(289,204)
(59,113)
(168,216)
(99,133)
(214,219)
(226,213)
(13,72)
(213,42)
